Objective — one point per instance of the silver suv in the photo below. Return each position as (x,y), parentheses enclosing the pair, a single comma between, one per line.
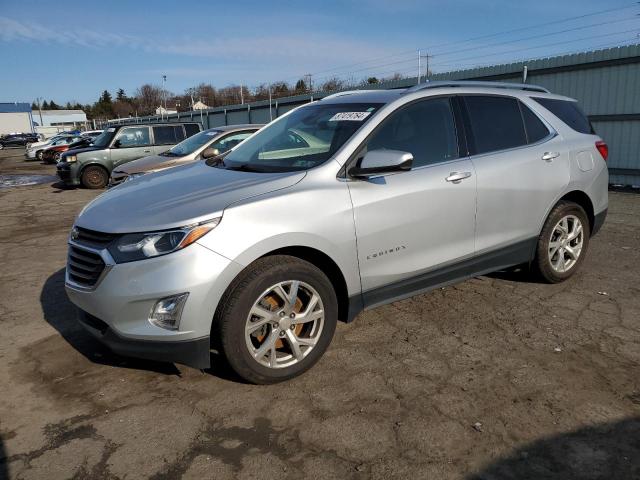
(354,201)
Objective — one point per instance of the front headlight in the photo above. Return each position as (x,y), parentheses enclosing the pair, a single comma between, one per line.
(133,175)
(138,246)
(70,159)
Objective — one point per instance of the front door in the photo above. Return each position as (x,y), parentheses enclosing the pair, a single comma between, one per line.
(414,224)
(130,143)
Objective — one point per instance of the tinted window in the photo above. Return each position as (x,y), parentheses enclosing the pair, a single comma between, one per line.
(230,141)
(168,134)
(134,137)
(191,129)
(536,130)
(496,123)
(425,129)
(568,112)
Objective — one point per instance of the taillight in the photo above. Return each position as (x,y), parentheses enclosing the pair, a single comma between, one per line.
(603,149)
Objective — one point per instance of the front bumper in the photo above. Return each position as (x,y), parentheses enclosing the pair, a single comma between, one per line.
(126,292)
(193,353)
(67,173)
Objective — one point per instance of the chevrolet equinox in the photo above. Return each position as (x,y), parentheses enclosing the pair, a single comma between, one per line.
(344,204)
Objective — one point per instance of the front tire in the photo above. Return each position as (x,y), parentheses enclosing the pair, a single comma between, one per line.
(563,242)
(94,177)
(39,154)
(276,319)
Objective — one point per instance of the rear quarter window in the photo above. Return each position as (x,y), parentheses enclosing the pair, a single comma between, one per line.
(569,112)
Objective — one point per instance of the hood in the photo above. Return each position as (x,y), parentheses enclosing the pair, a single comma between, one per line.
(176,197)
(76,151)
(147,164)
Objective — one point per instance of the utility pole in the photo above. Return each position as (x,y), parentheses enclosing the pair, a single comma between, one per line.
(309,84)
(164,97)
(241,95)
(426,73)
(270,115)
(39,99)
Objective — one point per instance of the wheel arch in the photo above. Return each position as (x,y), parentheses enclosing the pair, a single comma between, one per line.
(582,199)
(327,265)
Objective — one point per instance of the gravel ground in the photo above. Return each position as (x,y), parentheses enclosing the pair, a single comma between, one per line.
(498,377)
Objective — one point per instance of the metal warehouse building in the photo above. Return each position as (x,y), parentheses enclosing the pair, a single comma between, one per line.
(15,118)
(59,118)
(605,82)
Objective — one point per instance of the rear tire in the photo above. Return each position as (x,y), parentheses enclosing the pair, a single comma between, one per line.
(292,333)
(94,177)
(563,242)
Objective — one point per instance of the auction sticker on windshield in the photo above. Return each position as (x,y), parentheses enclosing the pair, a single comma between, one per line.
(349,116)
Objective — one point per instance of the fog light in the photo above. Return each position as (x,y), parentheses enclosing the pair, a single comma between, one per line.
(167,311)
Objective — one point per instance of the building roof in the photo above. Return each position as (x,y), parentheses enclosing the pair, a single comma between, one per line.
(13,107)
(58,112)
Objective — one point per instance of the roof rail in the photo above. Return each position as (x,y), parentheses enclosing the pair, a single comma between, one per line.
(466,83)
(347,92)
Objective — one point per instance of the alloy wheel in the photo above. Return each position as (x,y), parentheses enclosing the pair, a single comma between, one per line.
(565,244)
(284,324)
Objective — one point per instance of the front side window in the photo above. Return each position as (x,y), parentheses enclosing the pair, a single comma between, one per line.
(301,140)
(133,137)
(425,129)
(496,123)
(230,141)
(569,112)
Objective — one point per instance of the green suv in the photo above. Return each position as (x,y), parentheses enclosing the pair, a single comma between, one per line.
(92,166)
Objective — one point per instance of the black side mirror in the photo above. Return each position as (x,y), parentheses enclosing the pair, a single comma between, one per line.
(117,144)
(210,152)
(378,162)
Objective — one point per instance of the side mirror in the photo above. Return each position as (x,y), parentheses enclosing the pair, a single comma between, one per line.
(377,162)
(117,144)
(210,152)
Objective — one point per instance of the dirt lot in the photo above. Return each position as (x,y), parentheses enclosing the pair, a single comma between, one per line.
(498,377)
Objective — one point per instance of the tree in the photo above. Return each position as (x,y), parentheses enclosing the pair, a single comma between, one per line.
(332,84)
(372,80)
(53,105)
(301,86)
(147,98)
(121,96)
(45,105)
(34,106)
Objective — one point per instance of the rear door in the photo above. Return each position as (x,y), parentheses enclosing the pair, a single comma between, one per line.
(520,167)
(166,136)
(131,143)
(411,223)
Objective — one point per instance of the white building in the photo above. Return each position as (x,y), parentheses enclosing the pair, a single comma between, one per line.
(59,118)
(199,105)
(165,111)
(15,118)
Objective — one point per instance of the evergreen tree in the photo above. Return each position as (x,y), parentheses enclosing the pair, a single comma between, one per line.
(121,96)
(34,106)
(53,105)
(45,105)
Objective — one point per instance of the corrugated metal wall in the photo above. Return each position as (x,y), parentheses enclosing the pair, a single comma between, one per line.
(606,82)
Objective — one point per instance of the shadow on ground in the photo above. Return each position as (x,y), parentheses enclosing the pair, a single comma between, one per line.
(609,451)
(4,471)
(62,315)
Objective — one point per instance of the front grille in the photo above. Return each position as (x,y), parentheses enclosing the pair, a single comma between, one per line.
(93,238)
(83,267)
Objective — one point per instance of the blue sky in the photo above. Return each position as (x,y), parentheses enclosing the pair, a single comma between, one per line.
(71,51)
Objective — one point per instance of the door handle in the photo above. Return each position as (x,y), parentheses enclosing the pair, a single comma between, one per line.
(549,156)
(457,177)
(147,151)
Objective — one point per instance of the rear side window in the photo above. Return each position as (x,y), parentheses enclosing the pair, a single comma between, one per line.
(426,129)
(496,123)
(568,112)
(191,129)
(168,134)
(536,130)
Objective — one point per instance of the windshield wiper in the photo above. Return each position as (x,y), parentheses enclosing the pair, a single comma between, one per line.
(169,153)
(243,167)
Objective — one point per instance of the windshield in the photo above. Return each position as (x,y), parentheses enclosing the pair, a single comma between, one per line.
(191,144)
(104,138)
(303,139)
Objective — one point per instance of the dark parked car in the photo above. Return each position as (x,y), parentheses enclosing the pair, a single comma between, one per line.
(18,139)
(52,154)
(92,166)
